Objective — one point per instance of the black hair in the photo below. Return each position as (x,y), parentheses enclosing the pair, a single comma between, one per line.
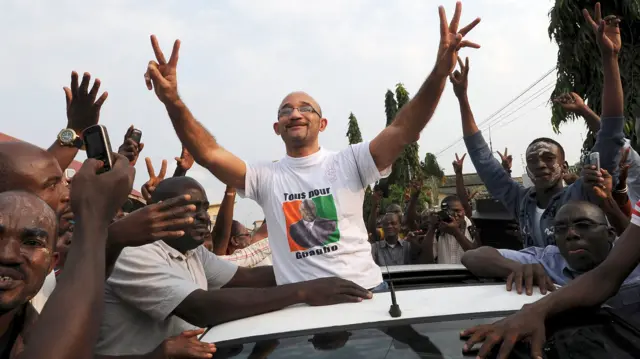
(549,140)
(174,186)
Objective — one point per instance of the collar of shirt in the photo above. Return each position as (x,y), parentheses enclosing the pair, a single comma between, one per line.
(384,243)
(309,225)
(174,253)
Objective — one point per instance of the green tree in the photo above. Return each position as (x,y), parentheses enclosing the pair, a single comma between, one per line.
(353,132)
(407,166)
(579,64)
(390,106)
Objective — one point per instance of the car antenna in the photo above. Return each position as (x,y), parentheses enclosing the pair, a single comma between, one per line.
(394,310)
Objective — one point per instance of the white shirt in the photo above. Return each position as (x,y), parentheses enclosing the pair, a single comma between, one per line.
(537,232)
(447,248)
(146,285)
(332,184)
(48,286)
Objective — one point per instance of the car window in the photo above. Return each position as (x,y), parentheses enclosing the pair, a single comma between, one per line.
(588,335)
(423,340)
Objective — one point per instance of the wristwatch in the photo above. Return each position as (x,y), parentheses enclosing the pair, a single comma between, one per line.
(68,137)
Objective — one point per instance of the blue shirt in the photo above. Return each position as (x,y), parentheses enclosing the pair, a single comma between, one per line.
(521,201)
(561,273)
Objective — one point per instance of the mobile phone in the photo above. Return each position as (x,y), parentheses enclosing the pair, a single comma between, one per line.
(136,135)
(594,160)
(96,139)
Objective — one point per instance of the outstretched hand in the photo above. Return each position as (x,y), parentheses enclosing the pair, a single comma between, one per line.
(506,159)
(186,345)
(451,40)
(607,31)
(161,76)
(570,102)
(83,110)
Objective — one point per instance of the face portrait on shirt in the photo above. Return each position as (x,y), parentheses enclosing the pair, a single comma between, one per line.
(545,163)
(582,235)
(308,210)
(199,230)
(299,120)
(28,232)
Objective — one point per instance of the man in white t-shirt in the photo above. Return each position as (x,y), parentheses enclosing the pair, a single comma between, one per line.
(313,197)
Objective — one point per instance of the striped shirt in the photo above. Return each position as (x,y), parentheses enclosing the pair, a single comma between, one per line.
(255,255)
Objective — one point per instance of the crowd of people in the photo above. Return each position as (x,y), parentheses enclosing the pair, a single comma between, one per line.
(144,283)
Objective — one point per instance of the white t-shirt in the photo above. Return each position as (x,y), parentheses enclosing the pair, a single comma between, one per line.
(447,248)
(48,286)
(314,209)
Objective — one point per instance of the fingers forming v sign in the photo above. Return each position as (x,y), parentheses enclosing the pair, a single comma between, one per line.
(451,40)
(161,76)
(507,159)
(152,183)
(459,79)
(457,164)
(607,30)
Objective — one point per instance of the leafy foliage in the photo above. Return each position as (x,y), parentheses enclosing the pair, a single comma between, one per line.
(353,132)
(579,63)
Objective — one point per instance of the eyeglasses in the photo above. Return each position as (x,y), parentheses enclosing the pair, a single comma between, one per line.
(580,227)
(287,111)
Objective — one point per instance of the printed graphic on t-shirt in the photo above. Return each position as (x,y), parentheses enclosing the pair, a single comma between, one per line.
(312,220)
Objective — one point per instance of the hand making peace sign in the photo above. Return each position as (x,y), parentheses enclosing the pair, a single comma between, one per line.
(607,31)
(457,164)
(152,183)
(161,76)
(507,159)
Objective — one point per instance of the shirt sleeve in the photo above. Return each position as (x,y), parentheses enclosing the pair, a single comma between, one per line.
(365,165)
(256,181)
(250,256)
(142,278)
(635,214)
(530,255)
(218,272)
(498,182)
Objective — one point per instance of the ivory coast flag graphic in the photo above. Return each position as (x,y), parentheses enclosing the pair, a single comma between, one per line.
(311,222)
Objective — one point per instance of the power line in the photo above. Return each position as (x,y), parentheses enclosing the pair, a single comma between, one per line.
(501,109)
(529,99)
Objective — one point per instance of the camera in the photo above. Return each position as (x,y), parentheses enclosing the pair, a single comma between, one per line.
(444,216)
(96,140)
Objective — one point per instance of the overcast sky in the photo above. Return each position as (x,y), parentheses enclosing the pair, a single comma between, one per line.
(240,58)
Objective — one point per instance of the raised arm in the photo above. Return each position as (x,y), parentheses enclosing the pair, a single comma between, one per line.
(415,115)
(610,138)
(161,76)
(80,289)
(461,190)
(221,232)
(183,163)
(498,181)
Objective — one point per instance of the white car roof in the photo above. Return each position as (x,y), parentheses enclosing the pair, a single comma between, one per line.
(415,304)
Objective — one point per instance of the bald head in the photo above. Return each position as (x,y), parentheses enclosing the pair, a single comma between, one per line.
(176,186)
(19,160)
(581,209)
(25,167)
(300,97)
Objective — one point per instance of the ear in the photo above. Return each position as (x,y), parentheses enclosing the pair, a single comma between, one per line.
(276,128)
(323,124)
(233,241)
(612,235)
(55,258)
(565,167)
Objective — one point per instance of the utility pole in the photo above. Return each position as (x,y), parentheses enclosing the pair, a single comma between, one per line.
(490,142)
